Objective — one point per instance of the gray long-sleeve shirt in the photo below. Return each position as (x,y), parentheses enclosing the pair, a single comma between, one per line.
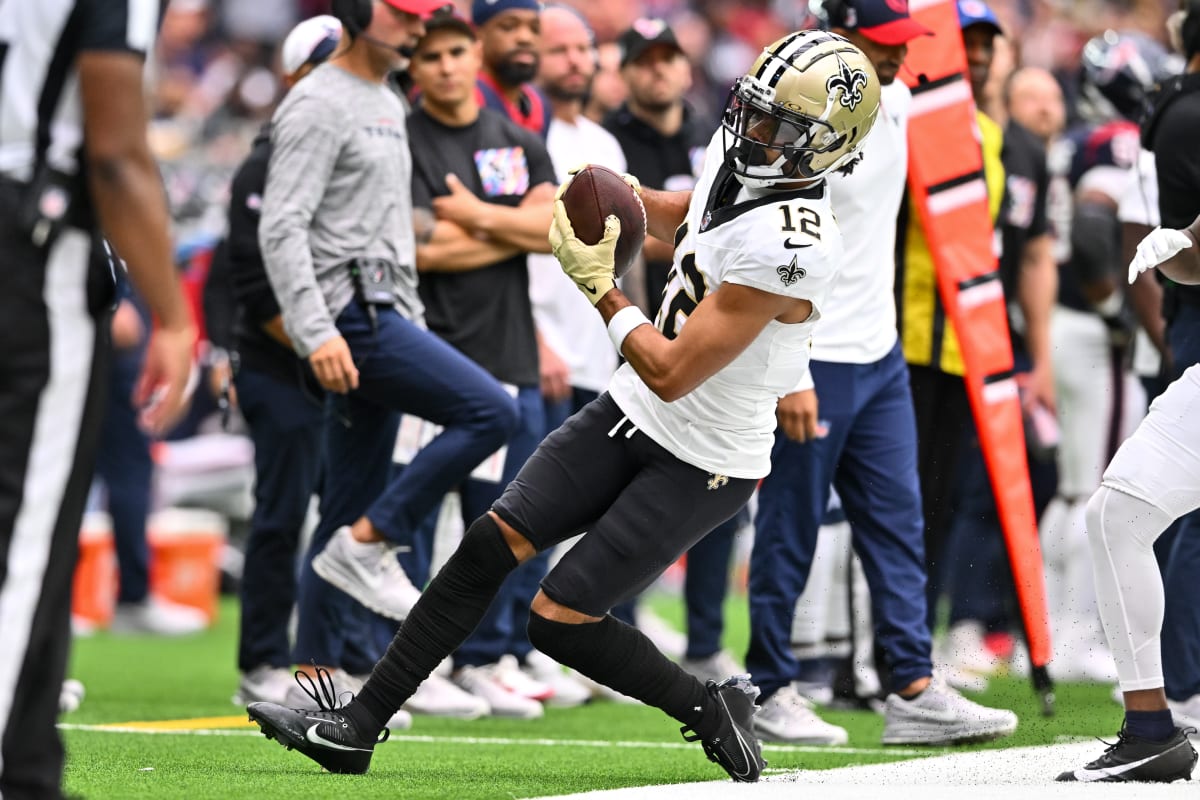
(338,188)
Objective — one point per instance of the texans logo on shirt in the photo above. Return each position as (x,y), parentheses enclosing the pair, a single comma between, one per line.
(503,171)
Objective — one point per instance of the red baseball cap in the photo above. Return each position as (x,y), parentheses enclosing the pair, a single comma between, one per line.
(886,22)
(421,8)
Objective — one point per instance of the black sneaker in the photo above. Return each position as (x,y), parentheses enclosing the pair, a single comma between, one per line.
(735,747)
(1134,759)
(327,736)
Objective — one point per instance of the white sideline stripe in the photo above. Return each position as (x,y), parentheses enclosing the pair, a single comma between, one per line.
(1025,773)
(779,748)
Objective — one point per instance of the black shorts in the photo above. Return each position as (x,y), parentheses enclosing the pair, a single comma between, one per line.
(641,507)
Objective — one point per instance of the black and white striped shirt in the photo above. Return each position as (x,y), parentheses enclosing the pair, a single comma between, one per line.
(41,117)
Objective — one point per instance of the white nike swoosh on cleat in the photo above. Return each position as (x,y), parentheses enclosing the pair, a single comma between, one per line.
(1085,774)
(741,740)
(316,738)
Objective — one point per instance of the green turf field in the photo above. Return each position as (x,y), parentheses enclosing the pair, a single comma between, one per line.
(212,752)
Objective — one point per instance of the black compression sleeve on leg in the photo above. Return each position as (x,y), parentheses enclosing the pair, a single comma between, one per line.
(447,612)
(620,656)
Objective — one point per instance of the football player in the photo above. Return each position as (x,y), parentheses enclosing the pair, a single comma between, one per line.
(1153,480)
(685,432)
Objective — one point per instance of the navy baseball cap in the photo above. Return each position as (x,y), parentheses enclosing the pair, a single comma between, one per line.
(645,33)
(977,12)
(885,22)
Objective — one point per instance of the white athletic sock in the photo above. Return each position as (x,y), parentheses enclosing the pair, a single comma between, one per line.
(1129,587)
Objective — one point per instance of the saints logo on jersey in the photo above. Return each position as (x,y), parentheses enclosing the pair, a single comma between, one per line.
(850,82)
(790,273)
(716,481)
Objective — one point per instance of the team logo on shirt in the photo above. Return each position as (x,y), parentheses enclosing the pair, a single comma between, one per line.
(503,171)
(790,273)
(851,82)
(716,481)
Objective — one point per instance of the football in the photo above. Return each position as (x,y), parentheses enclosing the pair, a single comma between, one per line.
(594,194)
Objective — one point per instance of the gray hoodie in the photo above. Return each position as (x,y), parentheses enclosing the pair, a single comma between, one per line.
(339,187)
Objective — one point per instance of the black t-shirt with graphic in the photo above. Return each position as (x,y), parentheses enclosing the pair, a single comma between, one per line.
(485,312)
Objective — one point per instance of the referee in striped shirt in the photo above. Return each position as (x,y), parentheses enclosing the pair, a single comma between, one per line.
(68,66)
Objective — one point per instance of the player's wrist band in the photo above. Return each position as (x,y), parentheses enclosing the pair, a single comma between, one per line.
(622,324)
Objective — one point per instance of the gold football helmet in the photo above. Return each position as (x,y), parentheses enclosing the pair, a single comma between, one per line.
(804,108)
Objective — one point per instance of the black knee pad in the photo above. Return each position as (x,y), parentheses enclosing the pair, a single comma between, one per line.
(483,552)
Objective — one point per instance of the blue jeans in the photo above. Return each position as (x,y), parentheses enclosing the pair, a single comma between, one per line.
(402,368)
(1181,620)
(123,462)
(502,629)
(285,425)
(705,585)
(870,456)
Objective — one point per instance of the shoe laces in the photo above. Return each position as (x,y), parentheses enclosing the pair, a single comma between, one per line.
(325,694)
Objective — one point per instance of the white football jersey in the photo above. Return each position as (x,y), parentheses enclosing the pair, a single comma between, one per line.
(784,242)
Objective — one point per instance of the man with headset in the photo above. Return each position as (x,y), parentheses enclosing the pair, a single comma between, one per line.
(74,163)
(338,245)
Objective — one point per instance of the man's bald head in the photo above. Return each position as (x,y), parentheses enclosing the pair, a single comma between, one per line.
(1035,100)
(567,60)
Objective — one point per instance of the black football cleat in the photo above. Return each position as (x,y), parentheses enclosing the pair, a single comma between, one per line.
(734,747)
(1133,759)
(327,736)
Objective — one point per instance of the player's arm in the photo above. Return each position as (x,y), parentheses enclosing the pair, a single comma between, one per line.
(1037,287)
(722,326)
(523,226)
(665,211)
(128,196)
(453,249)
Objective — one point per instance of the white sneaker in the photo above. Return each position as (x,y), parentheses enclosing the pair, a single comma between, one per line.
(82,627)
(157,616)
(788,717)
(507,672)
(961,679)
(1186,714)
(482,682)
(965,650)
(669,641)
(940,716)
(439,697)
(345,687)
(716,668)
(818,694)
(367,572)
(265,683)
(568,692)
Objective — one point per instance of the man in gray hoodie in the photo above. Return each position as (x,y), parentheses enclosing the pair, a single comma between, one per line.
(338,241)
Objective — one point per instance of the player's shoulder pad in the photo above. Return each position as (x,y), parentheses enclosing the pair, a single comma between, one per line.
(778,240)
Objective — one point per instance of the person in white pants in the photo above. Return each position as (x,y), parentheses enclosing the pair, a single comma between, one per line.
(1153,479)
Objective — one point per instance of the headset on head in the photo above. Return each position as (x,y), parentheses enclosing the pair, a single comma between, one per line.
(355,15)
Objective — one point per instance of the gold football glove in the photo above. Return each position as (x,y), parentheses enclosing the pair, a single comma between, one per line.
(589,265)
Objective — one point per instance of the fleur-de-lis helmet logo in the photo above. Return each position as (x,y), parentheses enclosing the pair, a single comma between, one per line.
(851,82)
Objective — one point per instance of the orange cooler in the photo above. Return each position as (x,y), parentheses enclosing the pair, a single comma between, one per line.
(185,556)
(94,592)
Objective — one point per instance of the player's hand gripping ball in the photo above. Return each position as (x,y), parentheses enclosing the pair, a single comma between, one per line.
(599,227)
